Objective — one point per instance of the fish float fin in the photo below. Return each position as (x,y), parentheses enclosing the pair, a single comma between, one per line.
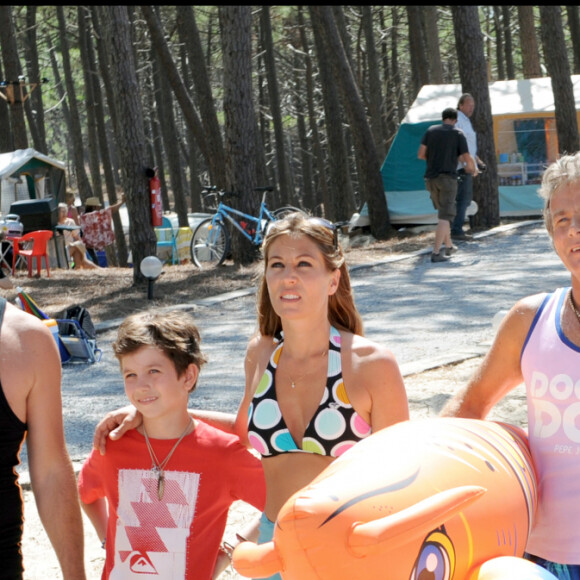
(508,568)
(415,521)
(256,560)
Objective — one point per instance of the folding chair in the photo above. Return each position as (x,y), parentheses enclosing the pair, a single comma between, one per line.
(78,334)
(166,238)
(38,250)
(80,346)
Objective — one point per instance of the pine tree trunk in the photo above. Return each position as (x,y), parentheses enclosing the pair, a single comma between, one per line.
(473,74)
(129,134)
(110,156)
(397,85)
(6,133)
(507,31)
(89,76)
(104,142)
(167,124)
(556,56)
(240,123)
(286,187)
(59,87)
(417,49)
(153,96)
(13,71)
(36,118)
(390,106)
(529,43)
(319,177)
(499,49)
(83,183)
(336,203)
(307,198)
(574,26)
(375,94)
(432,43)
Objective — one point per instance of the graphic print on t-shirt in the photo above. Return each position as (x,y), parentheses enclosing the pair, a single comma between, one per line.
(151,533)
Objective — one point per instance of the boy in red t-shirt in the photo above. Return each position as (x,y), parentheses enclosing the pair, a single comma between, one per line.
(161,494)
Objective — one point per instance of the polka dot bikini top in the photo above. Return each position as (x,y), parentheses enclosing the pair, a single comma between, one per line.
(334,428)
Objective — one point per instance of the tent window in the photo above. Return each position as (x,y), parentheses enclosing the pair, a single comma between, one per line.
(531,140)
(525,149)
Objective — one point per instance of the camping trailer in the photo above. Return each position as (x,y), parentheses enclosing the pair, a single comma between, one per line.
(26,174)
(524,130)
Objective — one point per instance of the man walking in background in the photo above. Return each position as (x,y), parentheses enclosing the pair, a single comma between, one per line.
(441,147)
(465,106)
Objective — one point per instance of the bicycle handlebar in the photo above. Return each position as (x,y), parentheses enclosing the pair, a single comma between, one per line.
(213,190)
(207,192)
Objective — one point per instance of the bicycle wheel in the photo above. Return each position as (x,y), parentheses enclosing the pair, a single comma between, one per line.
(282,212)
(210,244)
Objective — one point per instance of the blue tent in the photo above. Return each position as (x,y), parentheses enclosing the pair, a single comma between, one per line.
(525,140)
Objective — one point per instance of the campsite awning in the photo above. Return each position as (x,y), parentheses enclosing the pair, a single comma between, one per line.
(29,174)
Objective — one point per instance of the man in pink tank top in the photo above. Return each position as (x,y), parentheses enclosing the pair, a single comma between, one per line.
(538,343)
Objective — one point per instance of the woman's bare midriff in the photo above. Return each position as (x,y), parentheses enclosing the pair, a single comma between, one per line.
(286,474)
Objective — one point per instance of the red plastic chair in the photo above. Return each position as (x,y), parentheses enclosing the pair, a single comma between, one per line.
(38,250)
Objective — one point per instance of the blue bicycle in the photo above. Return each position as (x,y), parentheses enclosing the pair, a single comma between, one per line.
(210,244)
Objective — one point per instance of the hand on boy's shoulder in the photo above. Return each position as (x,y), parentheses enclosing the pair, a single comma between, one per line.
(114,425)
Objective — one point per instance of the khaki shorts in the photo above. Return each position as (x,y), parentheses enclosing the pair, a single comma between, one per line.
(443,190)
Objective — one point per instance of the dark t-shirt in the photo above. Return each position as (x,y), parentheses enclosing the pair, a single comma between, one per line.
(444,145)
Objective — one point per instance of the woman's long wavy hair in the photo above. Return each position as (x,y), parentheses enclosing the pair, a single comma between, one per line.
(342,312)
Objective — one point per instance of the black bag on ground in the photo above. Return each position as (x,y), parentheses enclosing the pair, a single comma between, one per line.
(77,332)
(81,314)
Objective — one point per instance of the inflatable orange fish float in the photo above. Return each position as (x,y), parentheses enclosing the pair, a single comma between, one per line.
(432,499)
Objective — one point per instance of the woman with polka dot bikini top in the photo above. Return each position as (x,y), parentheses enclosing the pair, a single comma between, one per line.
(314,385)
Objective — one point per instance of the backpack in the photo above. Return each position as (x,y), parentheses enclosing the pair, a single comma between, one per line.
(77,332)
(81,314)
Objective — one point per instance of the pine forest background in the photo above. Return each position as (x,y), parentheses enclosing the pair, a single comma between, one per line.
(306,98)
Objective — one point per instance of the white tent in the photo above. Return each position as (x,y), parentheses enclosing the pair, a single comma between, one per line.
(507,98)
(28,174)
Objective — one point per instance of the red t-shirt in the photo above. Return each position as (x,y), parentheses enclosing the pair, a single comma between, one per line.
(178,536)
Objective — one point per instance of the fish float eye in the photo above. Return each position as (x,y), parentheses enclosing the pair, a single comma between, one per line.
(436,560)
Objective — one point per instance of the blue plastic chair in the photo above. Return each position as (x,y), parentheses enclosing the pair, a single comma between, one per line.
(166,238)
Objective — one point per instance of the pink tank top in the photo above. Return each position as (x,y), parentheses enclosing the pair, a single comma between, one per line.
(551,368)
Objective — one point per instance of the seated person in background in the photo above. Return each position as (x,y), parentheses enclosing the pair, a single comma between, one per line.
(72,240)
(97,225)
(72,211)
(180,474)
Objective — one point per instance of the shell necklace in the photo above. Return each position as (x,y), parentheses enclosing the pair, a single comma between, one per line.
(158,468)
(571,301)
